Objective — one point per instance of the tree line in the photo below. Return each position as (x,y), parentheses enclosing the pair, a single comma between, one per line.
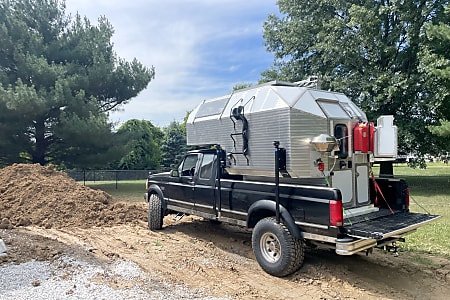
(60,77)
(390,57)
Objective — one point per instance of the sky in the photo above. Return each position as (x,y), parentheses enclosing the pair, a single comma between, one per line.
(200,49)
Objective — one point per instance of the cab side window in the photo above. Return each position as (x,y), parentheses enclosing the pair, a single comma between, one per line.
(187,167)
(207,166)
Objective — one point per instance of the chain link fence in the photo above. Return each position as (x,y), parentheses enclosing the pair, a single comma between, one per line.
(108,175)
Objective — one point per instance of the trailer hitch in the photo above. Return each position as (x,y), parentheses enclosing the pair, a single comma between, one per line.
(392,248)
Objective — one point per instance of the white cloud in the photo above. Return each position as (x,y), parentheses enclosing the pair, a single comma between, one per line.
(200,49)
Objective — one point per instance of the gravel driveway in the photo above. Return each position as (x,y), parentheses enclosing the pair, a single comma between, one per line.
(72,278)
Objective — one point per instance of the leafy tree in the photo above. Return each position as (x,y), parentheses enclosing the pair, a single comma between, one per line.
(442,130)
(369,50)
(173,146)
(59,78)
(142,145)
(435,64)
(242,85)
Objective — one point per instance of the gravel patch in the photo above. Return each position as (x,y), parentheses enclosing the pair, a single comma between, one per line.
(69,278)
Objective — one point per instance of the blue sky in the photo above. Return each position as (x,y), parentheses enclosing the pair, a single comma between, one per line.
(199,48)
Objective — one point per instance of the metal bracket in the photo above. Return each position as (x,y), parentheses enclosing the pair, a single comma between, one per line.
(178,217)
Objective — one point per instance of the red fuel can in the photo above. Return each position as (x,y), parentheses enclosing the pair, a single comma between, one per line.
(363,137)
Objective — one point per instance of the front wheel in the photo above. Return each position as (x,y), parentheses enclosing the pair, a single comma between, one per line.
(155,212)
(276,250)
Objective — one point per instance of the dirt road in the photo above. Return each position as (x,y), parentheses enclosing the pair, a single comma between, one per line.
(219,259)
(213,257)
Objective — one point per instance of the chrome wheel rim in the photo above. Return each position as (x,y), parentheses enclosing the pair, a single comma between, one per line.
(270,247)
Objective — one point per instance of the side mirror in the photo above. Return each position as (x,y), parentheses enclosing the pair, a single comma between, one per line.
(174,173)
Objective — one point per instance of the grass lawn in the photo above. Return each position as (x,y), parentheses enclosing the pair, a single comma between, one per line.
(429,191)
(126,190)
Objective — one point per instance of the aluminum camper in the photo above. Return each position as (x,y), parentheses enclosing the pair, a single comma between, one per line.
(325,138)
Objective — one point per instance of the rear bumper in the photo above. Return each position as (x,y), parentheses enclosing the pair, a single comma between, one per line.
(355,246)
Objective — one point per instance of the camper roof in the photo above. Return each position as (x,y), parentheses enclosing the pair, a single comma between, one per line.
(275,95)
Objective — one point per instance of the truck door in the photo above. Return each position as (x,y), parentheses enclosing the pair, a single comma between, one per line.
(183,194)
(204,192)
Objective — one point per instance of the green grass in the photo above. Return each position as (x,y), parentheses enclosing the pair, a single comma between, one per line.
(420,259)
(429,190)
(126,190)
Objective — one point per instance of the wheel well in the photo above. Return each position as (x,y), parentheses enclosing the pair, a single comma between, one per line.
(259,215)
(157,191)
(266,208)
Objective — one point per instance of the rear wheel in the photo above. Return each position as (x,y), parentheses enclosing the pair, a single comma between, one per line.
(277,251)
(155,212)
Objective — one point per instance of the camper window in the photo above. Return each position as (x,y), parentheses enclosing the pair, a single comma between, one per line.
(211,108)
(341,134)
(333,110)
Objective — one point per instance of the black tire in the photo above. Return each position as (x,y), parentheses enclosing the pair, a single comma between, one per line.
(155,212)
(277,251)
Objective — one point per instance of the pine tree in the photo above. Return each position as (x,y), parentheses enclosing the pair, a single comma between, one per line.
(59,78)
(173,146)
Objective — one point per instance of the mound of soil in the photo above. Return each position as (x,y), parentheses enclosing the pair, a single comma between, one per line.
(31,194)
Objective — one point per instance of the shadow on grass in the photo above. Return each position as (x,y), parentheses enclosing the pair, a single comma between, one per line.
(428,186)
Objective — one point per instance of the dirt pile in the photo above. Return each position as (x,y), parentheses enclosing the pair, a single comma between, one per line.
(42,196)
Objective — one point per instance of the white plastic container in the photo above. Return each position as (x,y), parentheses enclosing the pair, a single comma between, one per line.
(385,138)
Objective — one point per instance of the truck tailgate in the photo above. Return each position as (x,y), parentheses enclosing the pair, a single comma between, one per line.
(388,225)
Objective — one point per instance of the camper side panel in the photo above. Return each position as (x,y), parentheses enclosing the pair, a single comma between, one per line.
(265,127)
(210,132)
(304,127)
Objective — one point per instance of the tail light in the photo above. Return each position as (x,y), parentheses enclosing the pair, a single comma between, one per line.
(336,216)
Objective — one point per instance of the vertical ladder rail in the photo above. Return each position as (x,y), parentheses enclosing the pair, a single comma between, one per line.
(276,144)
(237,113)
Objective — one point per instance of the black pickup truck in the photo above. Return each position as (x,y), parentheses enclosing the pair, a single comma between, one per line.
(285,214)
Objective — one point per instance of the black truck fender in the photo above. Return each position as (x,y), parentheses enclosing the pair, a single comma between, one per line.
(155,189)
(266,208)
